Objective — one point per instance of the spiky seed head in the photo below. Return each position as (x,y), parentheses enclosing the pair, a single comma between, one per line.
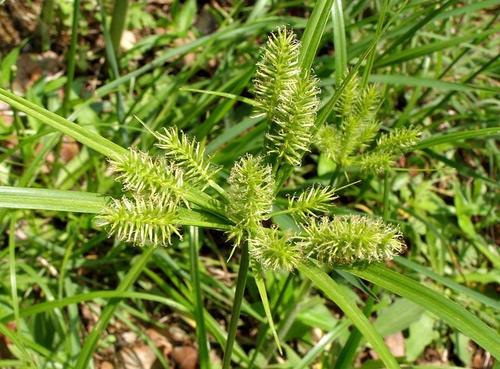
(351,239)
(140,221)
(147,175)
(188,155)
(389,147)
(398,140)
(329,140)
(290,134)
(315,199)
(368,104)
(348,102)
(279,64)
(376,161)
(274,250)
(250,195)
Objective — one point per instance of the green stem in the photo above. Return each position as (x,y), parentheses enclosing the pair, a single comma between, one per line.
(201,334)
(117,26)
(46,18)
(386,195)
(238,299)
(70,72)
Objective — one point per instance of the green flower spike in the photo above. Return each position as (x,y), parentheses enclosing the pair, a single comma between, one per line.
(250,196)
(274,251)
(188,155)
(350,239)
(140,221)
(147,175)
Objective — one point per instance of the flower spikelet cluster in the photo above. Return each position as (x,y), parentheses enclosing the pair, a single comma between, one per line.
(278,65)
(350,239)
(139,221)
(187,154)
(142,173)
(275,250)
(314,200)
(250,195)
(351,141)
(287,96)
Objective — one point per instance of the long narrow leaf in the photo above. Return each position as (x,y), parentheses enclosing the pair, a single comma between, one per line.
(456,136)
(448,282)
(315,27)
(87,137)
(44,199)
(331,289)
(452,313)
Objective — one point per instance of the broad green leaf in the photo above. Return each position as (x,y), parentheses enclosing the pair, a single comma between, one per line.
(407,312)
(421,335)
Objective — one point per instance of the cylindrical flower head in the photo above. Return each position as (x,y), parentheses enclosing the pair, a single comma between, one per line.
(351,239)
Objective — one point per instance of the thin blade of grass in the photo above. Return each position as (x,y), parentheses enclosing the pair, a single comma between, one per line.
(108,312)
(331,289)
(315,27)
(261,286)
(201,334)
(452,313)
(339,41)
(457,136)
(448,282)
(87,137)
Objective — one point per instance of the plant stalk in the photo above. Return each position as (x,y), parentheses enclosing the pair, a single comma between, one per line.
(238,299)
(201,333)
(70,72)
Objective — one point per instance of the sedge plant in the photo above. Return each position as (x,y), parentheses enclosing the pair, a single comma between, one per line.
(178,185)
(159,187)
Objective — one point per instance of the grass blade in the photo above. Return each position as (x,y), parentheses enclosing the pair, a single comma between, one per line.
(90,138)
(238,298)
(201,334)
(331,289)
(261,286)
(457,136)
(448,282)
(339,41)
(452,313)
(45,199)
(315,27)
(129,279)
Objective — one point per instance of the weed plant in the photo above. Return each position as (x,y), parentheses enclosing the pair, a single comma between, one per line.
(300,187)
